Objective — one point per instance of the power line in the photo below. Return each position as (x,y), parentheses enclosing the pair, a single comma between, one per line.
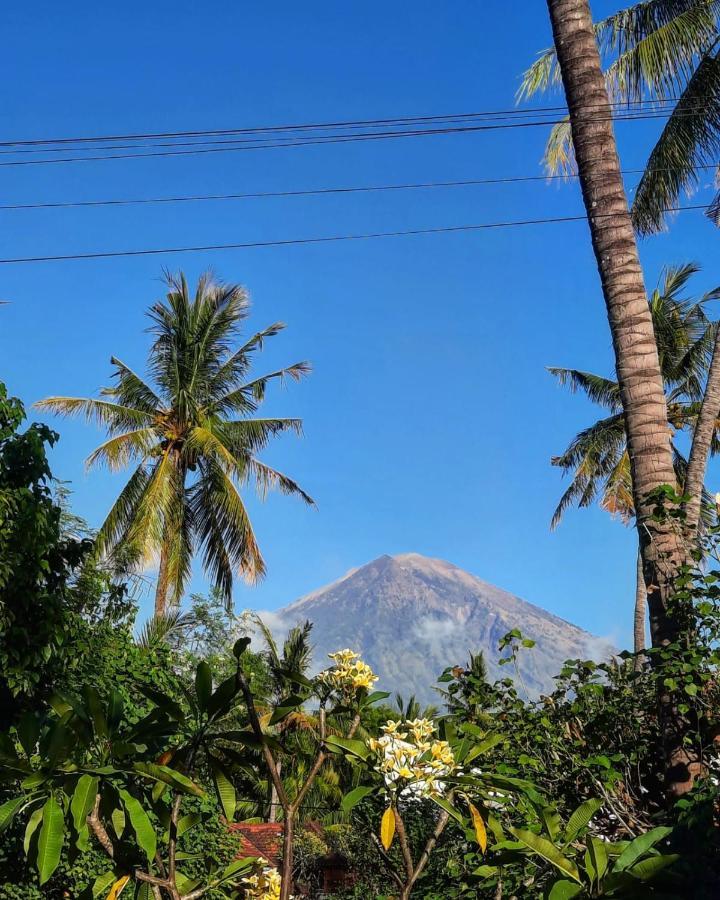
(318,140)
(314,192)
(247,245)
(399,120)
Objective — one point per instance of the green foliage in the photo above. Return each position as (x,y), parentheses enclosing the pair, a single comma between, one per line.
(36,563)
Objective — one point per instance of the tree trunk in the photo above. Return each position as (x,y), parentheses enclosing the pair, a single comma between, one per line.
(161,591)
(275,806)
(636,357)
(286,872)
(640,614)
(702,441)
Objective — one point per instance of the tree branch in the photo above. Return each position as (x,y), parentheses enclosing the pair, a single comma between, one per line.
(98,829)
(404,844)
(388,862)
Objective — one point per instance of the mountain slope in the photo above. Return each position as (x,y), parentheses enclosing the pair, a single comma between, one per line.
(411,616)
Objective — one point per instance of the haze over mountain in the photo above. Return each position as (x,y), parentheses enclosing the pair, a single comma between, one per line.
(411,616)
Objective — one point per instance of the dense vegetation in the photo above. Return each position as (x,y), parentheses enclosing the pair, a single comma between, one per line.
(128,750)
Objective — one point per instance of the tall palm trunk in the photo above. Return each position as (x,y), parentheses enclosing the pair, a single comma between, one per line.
(163,583)
(702,441)
(636,355)
(640,613)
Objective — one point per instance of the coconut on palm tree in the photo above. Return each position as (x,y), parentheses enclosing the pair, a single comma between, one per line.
(191,432)
(666,52)
(597,458)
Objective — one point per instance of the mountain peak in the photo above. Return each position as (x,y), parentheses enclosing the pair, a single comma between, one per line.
(411,616)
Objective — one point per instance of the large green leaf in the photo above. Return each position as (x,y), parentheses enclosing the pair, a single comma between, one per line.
(551,821)
(225,789)
(170,777)
(103,883)
(285,707)
(141,825)
(28,730)
(639,846)
(564,890)
(597,855)
(353,797)
(648,868)
(580,818)
(97,713)
(82,802)
(223,696)
(203,685)
(8,810)
(185,823)
(339,744)
(237,867)
(163,702)
(548,852)
(448,807)
(50,842)
(31,829)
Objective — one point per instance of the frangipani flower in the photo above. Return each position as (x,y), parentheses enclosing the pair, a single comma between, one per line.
(264,885)
(349,674)
(406,751)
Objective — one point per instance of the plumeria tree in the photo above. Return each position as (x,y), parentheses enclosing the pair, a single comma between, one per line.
(418,760)
(341,692)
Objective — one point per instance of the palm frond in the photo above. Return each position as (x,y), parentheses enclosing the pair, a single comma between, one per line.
(690,138)
(224,527)
(559,157)
(130,390)
(119,451)
(163,628)
(267,478)
(600,390)
(237,365)
(113,416)
(247,397)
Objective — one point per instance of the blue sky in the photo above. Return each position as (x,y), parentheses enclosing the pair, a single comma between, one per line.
(429,417)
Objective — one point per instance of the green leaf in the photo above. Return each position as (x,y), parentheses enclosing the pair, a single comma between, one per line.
(203,685)
(638,847)
(375,697)
(143,891)
(50,842)
(8,810)
(353,797)
(448,807)
(648,868)
(581,818)
(169,776)
(285,707)
(564,890)
(225,789)
(223,696)
(94,704)
(102,884)
(240,646)
(141,825)
(117,817)
(187,822)
(116,705)
(166,704)
(28,730)
(548,852)
(551,821)
(32,826)
(339,744)
(82,802)
(237,867)
(492,741)
(597,852)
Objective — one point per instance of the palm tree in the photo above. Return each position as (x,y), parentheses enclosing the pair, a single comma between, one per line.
(192,435)
(656,50)
(637,361)
(597,458)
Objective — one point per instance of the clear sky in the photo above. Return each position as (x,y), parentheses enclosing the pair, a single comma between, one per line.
(429,418)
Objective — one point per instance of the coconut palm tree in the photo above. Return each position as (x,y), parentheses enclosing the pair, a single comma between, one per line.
(597,458)
(656,50)
(191,432)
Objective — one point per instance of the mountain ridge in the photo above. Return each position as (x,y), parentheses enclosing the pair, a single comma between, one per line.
(411,616)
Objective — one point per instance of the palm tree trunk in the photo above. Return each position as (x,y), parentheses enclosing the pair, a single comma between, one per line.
(161,591)
(702,441)
(640,613)
(636,356)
